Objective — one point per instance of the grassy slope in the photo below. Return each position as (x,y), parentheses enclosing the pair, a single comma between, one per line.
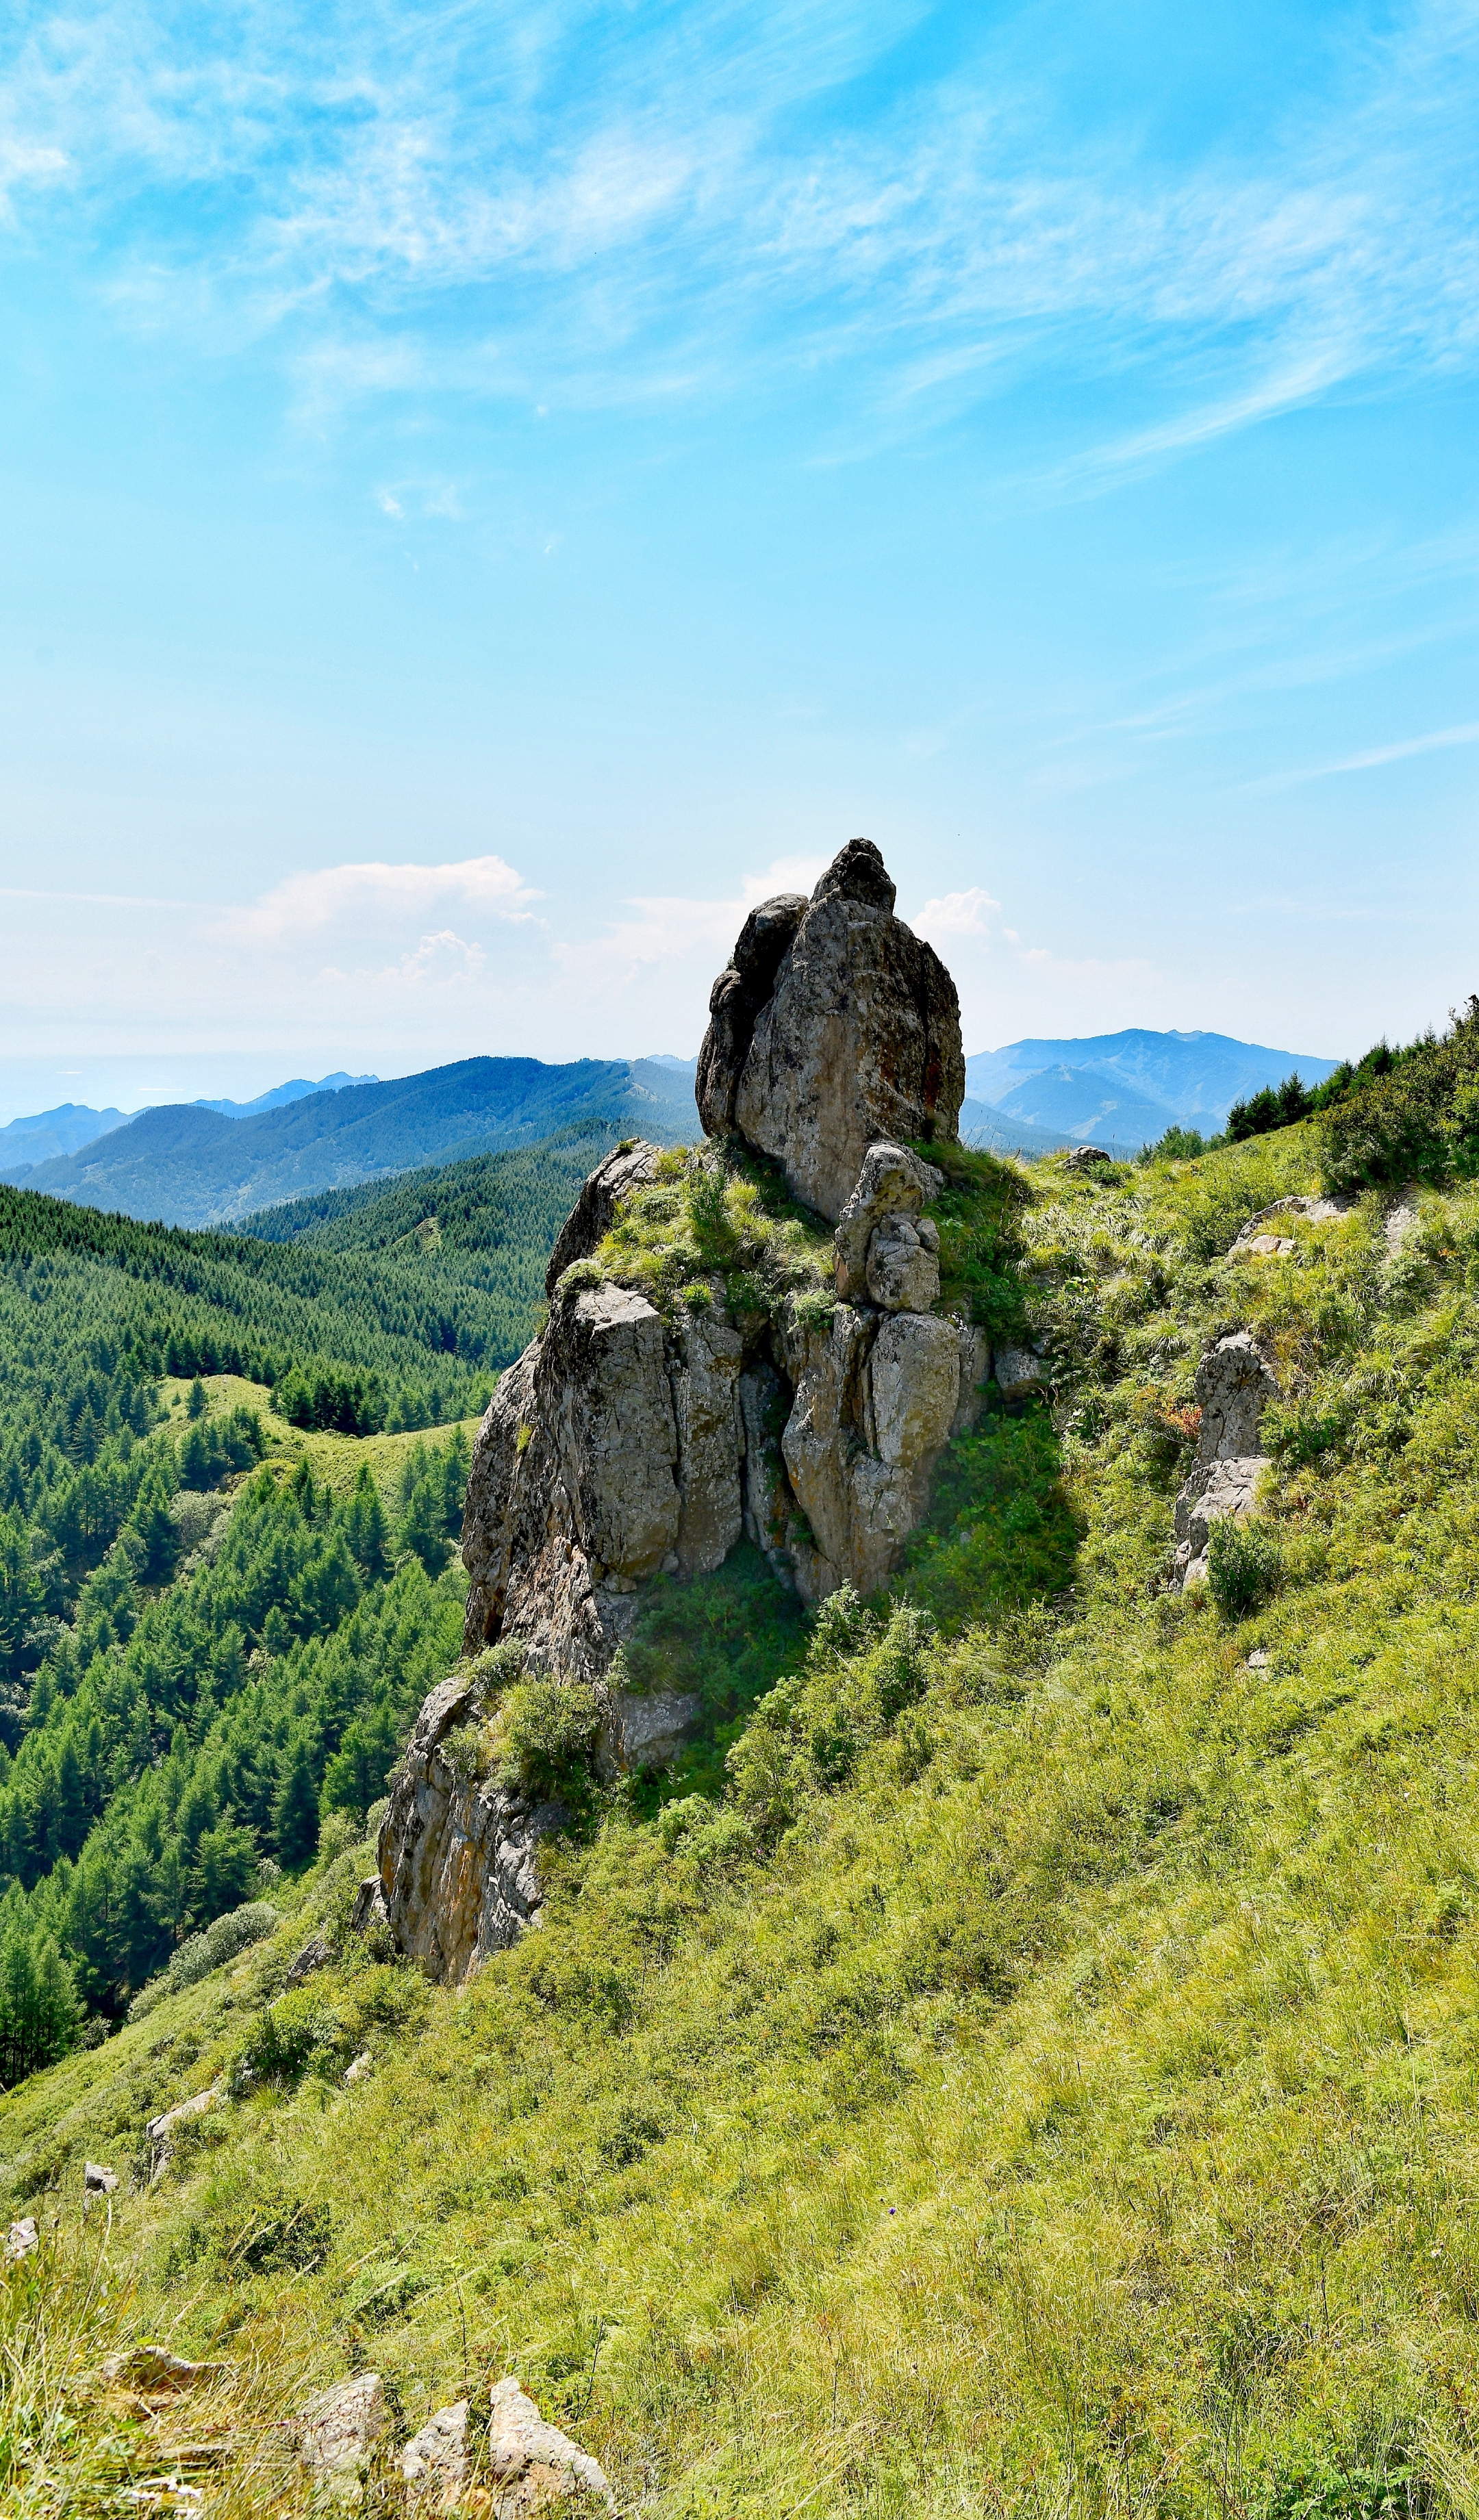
(335,1458)
(1073,2108)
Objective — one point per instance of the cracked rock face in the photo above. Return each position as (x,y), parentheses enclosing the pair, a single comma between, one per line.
(457,1855)
(851,1035)
(1233,1386)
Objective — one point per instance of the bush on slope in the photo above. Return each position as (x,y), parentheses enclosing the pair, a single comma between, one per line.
(1047,2081)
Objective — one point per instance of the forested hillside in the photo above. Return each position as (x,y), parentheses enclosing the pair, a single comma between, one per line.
(197,1654)
(1024,2059)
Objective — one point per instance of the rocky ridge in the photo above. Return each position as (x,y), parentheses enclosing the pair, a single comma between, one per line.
(639,1435)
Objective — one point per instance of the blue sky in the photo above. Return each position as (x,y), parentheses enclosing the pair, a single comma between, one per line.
(488,492)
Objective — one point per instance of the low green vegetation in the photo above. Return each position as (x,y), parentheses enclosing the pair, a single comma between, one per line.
(725,1213)
(1032,2065)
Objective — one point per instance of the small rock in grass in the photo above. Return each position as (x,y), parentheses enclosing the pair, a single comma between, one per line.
(21,2239)
(151,2368)
(359,2066)
(337,2432)
(435,2460)
(314,1956)
(97,2181)
(540,2463)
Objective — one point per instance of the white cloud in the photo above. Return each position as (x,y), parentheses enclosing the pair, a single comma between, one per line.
(956,914)
(441,961)
(25,161)
(326,896)
(672,927)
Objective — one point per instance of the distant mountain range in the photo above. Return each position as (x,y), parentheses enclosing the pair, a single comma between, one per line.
(219,1162)
(190,1164)
(1123,1090)
(294,1091)
(45,1134)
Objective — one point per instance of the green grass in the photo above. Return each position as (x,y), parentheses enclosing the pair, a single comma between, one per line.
(335,1458)
(1048,2084)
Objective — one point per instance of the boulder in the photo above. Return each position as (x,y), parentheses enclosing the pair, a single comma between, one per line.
(904,1265)
(891,1182)
(368,1907)
(855,1037)
(436,2461)
(533,2462)
(1319,1211)
(647,1728)
(337,2431)
(770,1506)
(913,1387)
(1083,1159)
(573,1494)
(594,1213)
(875,1400)
(975,1372)
(1021,1369)
(706,1356)
(97,2181)
(314,1956)
(1211,1493)
(1233,1386)
(458,1853)
(161,2130)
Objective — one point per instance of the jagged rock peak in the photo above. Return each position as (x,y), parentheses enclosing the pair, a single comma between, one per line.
(831,1028)
(858,873)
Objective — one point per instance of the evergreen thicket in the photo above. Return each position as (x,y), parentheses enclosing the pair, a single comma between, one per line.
(183,1689)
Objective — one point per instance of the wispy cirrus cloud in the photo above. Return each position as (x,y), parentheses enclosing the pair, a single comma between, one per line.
(1442,739)
(678,220)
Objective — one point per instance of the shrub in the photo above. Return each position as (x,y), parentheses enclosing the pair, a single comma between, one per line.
(547,1730)
(298,2031)
(1244,1566)
(1177,1146)
(202,1953)
(1413,1117)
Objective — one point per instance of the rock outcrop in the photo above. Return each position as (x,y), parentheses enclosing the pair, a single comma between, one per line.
(834,1026)
(594,1213)
(631,1440)
(1235,1385)
(459,1874)
(436,2462)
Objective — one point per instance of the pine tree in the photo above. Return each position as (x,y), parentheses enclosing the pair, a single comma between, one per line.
(224,1872)
(365,1528)
(295,1806)
(150,1537)
(20,1597)
(197,1404)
